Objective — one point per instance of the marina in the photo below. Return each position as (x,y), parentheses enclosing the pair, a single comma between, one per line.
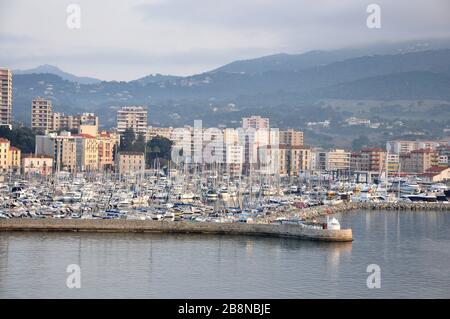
(203,203)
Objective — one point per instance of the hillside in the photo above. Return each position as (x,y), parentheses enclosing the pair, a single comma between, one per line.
(412,76)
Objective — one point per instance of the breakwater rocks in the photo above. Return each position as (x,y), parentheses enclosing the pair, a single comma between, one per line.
(414,206)
(318,211)
(98,225)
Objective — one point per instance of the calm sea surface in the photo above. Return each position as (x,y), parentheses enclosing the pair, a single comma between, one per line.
(411,248)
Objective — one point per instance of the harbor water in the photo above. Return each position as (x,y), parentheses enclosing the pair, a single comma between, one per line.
(412,250)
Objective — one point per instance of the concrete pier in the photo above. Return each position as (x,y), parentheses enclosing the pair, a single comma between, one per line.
(98,225)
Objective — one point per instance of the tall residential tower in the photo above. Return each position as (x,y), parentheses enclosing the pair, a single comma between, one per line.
(5,97)
(41,114)
(134,117)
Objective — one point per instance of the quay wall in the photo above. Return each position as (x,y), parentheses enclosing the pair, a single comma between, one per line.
(99,225)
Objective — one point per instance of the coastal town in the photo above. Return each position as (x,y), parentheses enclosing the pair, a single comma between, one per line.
(253,174)
(225,159)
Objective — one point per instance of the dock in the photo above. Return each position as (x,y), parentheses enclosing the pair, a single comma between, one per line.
(144,226)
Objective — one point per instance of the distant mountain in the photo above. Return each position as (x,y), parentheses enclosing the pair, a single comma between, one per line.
(177,100)
(156,78)
(296,62)
(413,85)
(50,69)
(226,85)
(282,62)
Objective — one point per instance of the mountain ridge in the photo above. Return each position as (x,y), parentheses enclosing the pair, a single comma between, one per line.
(51,69)
(273,62)
(178,100)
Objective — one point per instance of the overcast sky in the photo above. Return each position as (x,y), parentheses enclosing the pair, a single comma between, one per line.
(124,40)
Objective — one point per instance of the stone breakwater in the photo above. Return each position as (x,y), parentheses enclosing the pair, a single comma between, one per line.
(98,225)
(320,211)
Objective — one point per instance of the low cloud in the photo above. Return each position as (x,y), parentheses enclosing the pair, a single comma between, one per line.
(125,40)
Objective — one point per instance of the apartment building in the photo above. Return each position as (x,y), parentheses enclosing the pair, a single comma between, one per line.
(403,147)
(14,159)
(41,114)
(62,148)
(79,152)
(291,137)
(418,161)
(153,132)
(134,117)
(337,159)
(60,122)
(393,163)
(4,154)
(9,157)
(368,160)
(6,96)
(130,163)
(255,122)
(87,152)
(37,164)
(253,140)
(284,159)
(43,118)
(106,146)
(86,123)
(444,150)
(332,160)
(300,159)
(234,158)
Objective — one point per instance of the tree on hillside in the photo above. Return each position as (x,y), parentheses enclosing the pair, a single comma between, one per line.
(360,142)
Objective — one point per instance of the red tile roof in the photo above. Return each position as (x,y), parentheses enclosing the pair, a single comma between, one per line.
(84,135)
(436,169)
(373,149)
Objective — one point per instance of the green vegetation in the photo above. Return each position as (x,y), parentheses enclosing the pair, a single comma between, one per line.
(23,138)
(158,148)
(130,143)
(360,142)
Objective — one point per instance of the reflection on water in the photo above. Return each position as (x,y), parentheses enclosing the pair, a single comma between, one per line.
(249,246)
(412,249)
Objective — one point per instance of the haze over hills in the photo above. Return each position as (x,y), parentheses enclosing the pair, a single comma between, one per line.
(51,69)
(413,85)
(225,85)
(295,62)
(274,62)
(296,84)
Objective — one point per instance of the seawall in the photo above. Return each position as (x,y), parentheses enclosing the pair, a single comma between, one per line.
(99,225)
